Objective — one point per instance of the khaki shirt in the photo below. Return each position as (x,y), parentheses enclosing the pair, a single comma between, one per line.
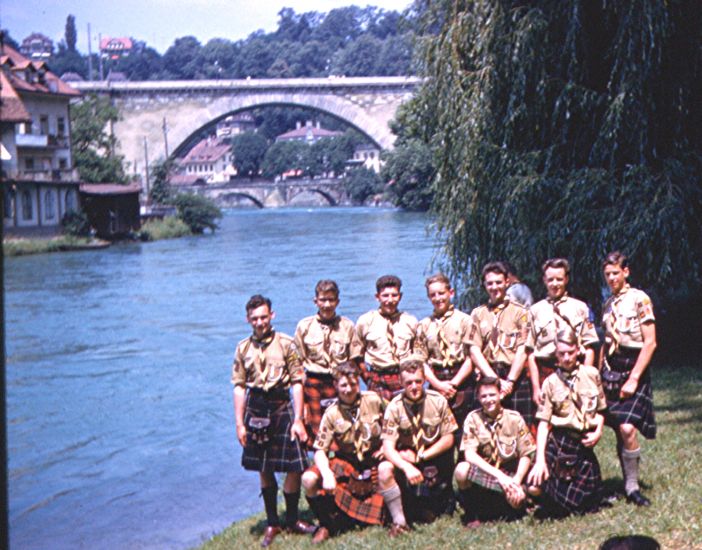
(574,408)
(498,331)
(322,346)
(623,316)
(546,322)
(444,341)
(380,353)
(275,365)
(511,440)
(354,432)
(431,419)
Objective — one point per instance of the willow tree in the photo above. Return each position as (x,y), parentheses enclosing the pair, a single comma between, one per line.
(567,128)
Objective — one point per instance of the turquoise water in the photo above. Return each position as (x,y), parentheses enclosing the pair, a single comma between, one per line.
(120,416)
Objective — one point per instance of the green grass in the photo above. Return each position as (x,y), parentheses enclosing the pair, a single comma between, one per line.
(167,228)
(671,475)
(22,247)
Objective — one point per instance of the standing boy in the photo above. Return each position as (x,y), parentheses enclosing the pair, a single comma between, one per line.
(323,341)
(266,366)
(498,341)
(387,336)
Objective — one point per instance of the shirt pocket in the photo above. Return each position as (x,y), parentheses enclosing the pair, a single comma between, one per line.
(338,348)
(342,427)
(545,331)
(507,447)
(588,399)
(432,430)
(508,340)
(314,346)
(627,321)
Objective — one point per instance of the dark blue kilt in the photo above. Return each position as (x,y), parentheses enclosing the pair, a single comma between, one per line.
(425,502)
(575,481)
(637,409)
(464,401)
(280,453)
(520,399)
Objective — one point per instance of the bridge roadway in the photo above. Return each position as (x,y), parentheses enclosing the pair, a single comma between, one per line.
(162,117)
(275,193)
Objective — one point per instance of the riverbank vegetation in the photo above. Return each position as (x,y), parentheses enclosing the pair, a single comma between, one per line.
(63,243)
(671,476)
(169,227)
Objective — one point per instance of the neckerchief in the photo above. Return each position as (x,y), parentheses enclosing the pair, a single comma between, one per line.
(493,425)
(261,345)
(444,345)
(614,331)
(390,333)
(497,311)
(415,412)
(353,412)
(570,379)
(327,327)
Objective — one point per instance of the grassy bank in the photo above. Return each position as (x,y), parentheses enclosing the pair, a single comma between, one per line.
(21,247)
(671,475)
(167,228)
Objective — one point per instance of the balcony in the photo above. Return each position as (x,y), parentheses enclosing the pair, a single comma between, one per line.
(31,140)
(54,175)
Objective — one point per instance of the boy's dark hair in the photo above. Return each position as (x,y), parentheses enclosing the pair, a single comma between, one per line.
(257,301)
(567,336)
(487,381)
(388,281)
(326,285)
(556,263)
(411,364)
(509,267)
(616,258)
(495,267)
(347,368)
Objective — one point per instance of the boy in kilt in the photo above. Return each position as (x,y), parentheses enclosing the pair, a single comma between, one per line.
(498,449)
(630,340)
(343,491)
(323,341)
(498,341)
(556,312)
(418,440)
(387,336)
(269,428)
(442,342)
(570,425)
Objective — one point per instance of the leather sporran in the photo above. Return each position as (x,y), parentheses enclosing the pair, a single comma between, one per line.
(258,428)
(361,486)
(566,467)
(612,381)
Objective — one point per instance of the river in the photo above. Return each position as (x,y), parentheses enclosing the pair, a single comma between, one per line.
(119,407)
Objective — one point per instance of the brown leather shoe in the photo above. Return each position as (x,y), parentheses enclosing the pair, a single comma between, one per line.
(269,534)
(301,528)
(397,530)
(321,535)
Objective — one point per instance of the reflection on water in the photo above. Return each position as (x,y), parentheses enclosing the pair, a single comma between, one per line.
(120,420)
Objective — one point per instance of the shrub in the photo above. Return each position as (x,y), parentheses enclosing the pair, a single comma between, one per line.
(199,213)
(75,224)
(167,228)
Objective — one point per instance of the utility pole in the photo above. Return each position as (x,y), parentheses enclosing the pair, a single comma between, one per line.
(90,57)
(102,76)
(146,166)
(165,136)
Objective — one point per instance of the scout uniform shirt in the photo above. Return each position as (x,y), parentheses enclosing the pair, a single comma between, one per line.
(355,428)
(572,400)
(548,317)
(498,330)
(386,342)
(623,316)
(322,345)
(418,425)
(269,363)
(498,440)
(443,342)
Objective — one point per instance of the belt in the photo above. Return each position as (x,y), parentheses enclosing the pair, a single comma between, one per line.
(326,376)
(275,394)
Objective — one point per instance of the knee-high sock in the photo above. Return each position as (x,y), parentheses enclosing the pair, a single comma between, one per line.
(322,506)
(393,500)
(270,501)
(291,507)
(630,469)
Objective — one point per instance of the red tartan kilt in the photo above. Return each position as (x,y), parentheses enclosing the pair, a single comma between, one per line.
(315,389)
(369,510)
(385,383)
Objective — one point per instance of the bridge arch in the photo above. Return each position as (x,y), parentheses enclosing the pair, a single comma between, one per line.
(296,191)
(226,196)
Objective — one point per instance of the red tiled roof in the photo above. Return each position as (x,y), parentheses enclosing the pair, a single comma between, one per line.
(207,150)
(52,84)
(109,188)
(126,43)
(11,106)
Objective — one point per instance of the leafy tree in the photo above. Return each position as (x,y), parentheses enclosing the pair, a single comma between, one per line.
(361,183)
(92,142)
(199,213)
(248,149)
(567,128)
(160,192)
(219,59)
(408,172)
(7,39)
(70,33)
(64,61)
(183,59)
(358,58)
(284,156)
(75,223)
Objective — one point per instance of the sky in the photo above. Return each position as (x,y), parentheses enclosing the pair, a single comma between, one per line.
(159,22)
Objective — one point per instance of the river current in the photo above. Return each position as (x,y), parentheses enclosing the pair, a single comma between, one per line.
(119,406)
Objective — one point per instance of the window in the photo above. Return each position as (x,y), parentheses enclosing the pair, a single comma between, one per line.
(63,164)
(27,206)
(49,205)
(61,126)
(44,125)
(9,203)
(29,163)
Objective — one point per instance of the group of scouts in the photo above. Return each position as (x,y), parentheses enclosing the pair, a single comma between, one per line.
(507,371)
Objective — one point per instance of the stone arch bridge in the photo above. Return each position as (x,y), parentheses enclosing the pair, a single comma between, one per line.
(265,194)
(366,103)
